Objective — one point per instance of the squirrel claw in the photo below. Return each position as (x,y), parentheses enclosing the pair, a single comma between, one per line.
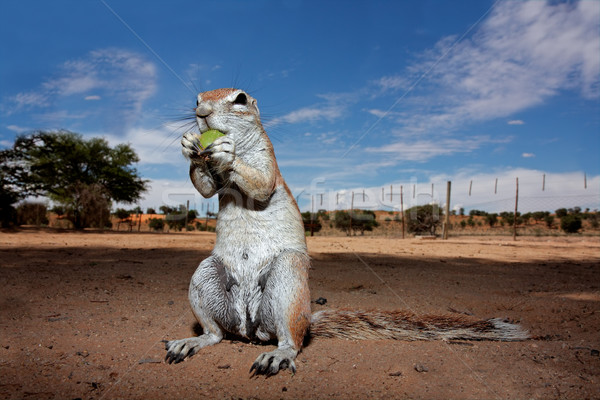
(207,150)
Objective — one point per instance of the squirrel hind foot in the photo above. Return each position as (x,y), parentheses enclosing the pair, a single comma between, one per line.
(270,363)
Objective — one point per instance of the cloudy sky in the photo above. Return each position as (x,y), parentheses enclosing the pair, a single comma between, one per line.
(355,95)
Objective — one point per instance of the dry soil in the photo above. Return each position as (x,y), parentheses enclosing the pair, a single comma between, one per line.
(83,316)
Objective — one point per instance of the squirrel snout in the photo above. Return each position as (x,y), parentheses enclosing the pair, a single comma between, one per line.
(203,110)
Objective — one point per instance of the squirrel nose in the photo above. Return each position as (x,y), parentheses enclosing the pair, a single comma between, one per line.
(203,110)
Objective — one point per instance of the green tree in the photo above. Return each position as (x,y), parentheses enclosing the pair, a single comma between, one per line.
(12,188)
(423,219)
(84,176)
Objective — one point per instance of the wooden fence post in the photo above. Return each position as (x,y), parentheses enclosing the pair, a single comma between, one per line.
(447,216)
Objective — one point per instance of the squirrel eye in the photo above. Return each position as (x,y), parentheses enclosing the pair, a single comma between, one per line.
(241,99)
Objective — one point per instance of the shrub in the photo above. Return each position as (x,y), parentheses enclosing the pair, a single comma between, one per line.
(491,219)
(122,214)
(156,224)
(477,213)
(423,219)
(359,220)
(176,221)
(570,223)
(549,220)
(561,212)
(311,221)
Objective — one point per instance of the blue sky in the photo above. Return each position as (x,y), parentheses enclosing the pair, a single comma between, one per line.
(354,95)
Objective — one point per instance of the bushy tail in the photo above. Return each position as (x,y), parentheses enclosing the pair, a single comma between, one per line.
(402,325)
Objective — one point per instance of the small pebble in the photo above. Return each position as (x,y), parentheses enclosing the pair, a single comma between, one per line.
(421,368)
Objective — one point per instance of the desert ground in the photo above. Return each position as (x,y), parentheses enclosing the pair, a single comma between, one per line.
(83,316)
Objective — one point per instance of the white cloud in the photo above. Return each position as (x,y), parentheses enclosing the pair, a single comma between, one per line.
(384,114)
(521,55)
(423,150)
(17,129)
(515,122)
(124,77)
(528,155)
(153,146)
(393,83)
(309,114)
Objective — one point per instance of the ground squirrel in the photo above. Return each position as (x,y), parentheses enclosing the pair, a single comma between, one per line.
(255,283)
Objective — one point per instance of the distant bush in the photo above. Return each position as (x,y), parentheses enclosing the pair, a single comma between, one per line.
(204,228)
(491,219)
(561,212)
(509,217)
(477,213)
(156,224)
(121,213)
(358,220)
(424,219)
(570,223)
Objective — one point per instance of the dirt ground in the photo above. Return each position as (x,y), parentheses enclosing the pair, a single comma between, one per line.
(83,316)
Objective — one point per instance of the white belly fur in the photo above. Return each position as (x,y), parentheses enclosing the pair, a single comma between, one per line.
(248,241)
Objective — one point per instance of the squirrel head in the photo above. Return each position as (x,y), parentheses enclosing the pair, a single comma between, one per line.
(231,111)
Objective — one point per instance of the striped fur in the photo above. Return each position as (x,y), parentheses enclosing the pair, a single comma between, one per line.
(403,325)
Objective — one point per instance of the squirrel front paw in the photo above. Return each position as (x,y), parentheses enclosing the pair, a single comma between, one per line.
(191,149)
(222,152)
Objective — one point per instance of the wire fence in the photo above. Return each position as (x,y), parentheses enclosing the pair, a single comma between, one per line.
(543,193)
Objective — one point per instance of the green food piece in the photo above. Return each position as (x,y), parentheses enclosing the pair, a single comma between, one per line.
(209,136)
